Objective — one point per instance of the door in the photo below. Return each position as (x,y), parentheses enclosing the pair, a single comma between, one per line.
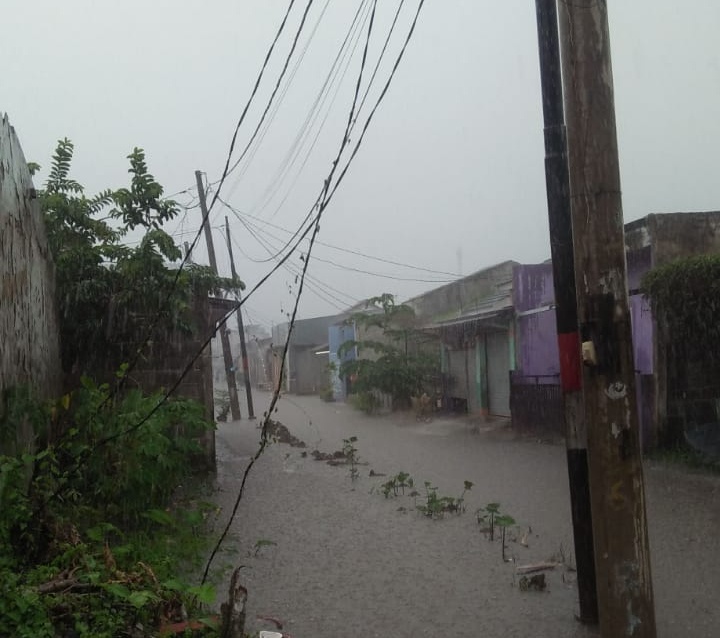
(498,360)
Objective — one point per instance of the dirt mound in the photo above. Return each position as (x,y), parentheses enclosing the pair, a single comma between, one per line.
(281,434)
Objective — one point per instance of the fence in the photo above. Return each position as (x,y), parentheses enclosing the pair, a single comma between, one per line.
(536,403)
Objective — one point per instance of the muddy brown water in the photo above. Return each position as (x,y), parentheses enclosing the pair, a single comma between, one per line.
(347,562)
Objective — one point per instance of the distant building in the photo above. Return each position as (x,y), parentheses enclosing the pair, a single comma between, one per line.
(307,362)
(473,319)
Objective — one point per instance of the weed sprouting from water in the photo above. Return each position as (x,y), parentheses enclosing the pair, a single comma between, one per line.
(351,457)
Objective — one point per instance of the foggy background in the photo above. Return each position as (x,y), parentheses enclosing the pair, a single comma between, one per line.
(450,176)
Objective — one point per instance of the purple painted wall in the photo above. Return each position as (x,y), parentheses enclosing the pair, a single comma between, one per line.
(537,348)
(642,334)
(532,286)
(639,261)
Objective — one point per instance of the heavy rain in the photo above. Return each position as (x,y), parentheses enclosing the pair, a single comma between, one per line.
(359,319)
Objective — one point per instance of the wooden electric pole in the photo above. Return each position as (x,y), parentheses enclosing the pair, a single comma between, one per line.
(224,340)
(622,557)
(561,249)
(241,329)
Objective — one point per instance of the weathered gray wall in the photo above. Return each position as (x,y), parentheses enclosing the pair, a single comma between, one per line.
(166,356)
(29,337)
(453,299)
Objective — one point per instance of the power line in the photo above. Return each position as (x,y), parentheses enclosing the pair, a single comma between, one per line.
(325,287)
(294,272)
(380,98)
(380,57)
(279,102)
(259,220)
(293,153)
(192,188)
(272,95)
(361,104)
(351,117)
(382,275)
(350,268)
(323,290)
(225,172)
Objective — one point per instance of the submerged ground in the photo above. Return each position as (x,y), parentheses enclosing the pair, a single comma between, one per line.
(332,557)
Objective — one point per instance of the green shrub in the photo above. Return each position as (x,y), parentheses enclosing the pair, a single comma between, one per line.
(91,540)
(365,401)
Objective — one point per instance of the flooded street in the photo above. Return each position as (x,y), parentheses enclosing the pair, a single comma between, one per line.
(333,557)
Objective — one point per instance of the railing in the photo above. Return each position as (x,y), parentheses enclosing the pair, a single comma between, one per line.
(536,403)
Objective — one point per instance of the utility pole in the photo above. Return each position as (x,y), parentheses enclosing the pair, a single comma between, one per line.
(622,556)
(224,340)
(561,250)
(241,329)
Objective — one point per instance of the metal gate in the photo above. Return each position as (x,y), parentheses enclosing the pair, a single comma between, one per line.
(498,371)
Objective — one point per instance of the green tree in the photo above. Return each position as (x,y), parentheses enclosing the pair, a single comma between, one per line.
(398,362)
(685,294)
(106,287)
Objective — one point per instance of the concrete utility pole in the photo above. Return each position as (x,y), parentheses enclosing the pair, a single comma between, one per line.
(224,340)
(561,249)
(622,557)
(241,329)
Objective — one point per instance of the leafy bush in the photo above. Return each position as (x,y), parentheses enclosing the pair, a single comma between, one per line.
(365,402)
(90,542)
(397,362)
(105,287)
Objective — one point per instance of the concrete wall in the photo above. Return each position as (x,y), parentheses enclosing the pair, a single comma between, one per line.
(165,358)
(676,235)
(29,332)
(311,374)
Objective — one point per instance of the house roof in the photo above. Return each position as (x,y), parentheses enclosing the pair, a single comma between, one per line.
(495,307)
(477,294)
(306,332)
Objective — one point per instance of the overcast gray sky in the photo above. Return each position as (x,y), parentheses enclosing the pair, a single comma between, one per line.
(450,175)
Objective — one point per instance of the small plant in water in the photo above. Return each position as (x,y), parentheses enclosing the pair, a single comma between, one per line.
(489,517)
(467,486)
(436,506)
(503,521)
(486,518)
(397,484)
(351,457)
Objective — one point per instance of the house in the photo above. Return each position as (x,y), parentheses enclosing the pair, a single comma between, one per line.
(306,365)
(473,320)
(662,393)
